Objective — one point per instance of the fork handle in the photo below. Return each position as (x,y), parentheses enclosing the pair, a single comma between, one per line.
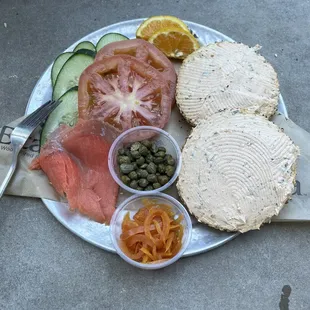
(11,171)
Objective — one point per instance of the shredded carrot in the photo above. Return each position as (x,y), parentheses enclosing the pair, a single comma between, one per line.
(153,235)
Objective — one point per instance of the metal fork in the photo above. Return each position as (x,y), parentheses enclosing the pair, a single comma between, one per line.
(22,132)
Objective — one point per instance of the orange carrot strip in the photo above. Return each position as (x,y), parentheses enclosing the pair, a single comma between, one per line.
(165,220)
(147,252)
(169,241)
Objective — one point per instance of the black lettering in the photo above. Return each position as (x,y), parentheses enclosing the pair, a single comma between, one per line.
(6,148)
(35,147)
(32,145)
(5,135)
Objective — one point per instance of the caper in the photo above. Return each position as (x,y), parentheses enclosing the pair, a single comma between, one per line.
(169,171)
(147,143)
(133,184)
(163,179)
(121,151)
(143,166)
(157,173)
(135,146)
(126,168)
(149,188)
(170,160)
(156,185)
(133,175)
(152,178)
(143,150)
(139,188)
(135,166)
(124,160)
(143,182)
(149,158)
(127,153)
(160,154)
(158,160)
(161,149)
(161,168)
(125,179)
(140,161)
(154,148)
(135,154)
(151,168)
(142,173)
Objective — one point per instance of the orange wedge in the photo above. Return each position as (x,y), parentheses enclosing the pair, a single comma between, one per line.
(175,43)
(158,24)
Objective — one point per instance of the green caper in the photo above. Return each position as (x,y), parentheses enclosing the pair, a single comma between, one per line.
(156,185)
(133,184)
(149,158)
(140,161)
(127,153)
(162,149)
(169,171)
(139,188)
(163,179)
(124,160)
(135,146)
(158,160)
(142,173)
(147,143)
(126,168)
(125,179)
(154,148)
(160,154)
(157,173)
(133,175)
(135,154)
(143,150)
(121,151)
(143,166)
(135,166)
(149,188)
(152,178)
(161,168)
(170,160)
(143,182)
(151,168)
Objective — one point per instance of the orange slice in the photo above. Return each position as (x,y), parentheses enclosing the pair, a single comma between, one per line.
(175,43)
(158,24)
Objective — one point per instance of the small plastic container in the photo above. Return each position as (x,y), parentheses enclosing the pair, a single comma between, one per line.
(132,205)
(136,134)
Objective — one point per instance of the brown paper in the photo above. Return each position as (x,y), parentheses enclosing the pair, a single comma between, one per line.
(35,183)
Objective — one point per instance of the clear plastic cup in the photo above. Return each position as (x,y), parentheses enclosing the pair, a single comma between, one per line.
(161,137)
(132,205)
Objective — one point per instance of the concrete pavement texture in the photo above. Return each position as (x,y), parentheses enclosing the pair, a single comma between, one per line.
(44,266)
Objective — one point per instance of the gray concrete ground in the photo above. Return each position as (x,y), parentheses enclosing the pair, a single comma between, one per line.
(44,266)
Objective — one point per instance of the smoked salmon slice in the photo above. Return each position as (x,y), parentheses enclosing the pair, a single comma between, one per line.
(76,163)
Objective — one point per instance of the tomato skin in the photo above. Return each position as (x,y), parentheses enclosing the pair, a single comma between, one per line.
(124,92)
(146,52)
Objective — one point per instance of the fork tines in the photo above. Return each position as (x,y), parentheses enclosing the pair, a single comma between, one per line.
(35,118)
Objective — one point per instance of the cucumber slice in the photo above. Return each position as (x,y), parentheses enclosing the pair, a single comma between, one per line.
(65,113)
(86,52)
(57,65)
(69,74)
(85,45)
(109,38)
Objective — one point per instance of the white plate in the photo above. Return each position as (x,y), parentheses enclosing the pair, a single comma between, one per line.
(203,237)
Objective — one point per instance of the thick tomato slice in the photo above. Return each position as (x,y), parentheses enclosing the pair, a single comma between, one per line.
(124,92)
(146,52)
